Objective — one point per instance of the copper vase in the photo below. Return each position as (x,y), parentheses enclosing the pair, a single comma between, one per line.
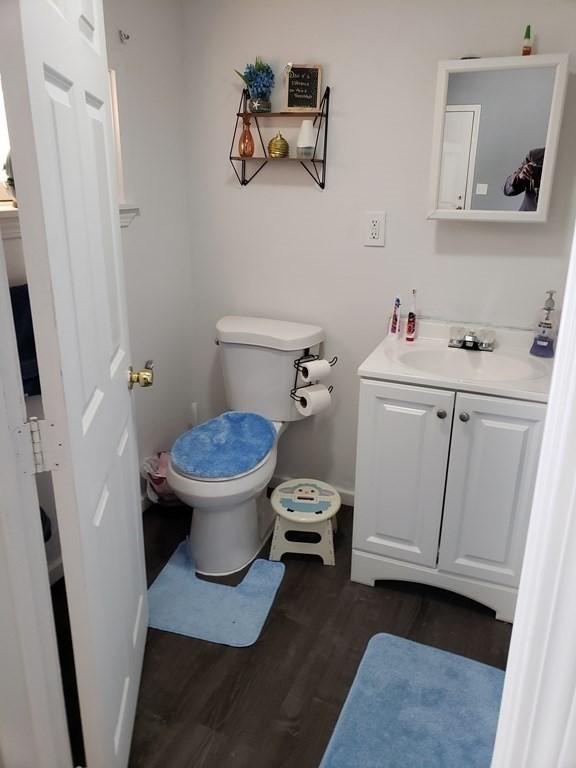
(246,143)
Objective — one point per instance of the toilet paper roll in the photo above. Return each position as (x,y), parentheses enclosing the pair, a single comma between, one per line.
(315,370)
(313,400)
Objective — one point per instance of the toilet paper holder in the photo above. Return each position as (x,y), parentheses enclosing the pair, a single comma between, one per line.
(299,364)
(301,361)
(295,396)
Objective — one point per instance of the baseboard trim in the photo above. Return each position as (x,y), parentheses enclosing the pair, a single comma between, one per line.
(346,495)
(368,568)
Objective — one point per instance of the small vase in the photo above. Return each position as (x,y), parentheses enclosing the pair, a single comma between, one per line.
(278,146)
(246,143)
(306,140)
(259,105)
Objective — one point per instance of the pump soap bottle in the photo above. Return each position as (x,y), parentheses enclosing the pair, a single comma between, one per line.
(543,344)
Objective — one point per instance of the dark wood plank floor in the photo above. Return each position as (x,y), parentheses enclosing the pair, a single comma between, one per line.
(275,704)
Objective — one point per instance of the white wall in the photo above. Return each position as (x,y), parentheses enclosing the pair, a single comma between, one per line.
(379,57)
(150,80)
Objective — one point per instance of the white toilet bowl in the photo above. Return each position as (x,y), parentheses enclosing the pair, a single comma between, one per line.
(232,517)
(221,468)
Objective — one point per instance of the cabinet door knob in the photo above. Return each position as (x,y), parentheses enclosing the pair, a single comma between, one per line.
(441,413)
(464,416)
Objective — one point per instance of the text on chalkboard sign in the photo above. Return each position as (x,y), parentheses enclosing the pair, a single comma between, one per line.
(303,88)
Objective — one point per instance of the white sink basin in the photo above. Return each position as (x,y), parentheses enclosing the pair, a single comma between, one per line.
(509,371)
(472,365)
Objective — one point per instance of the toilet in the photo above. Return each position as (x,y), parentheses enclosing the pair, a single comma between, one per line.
(222,468)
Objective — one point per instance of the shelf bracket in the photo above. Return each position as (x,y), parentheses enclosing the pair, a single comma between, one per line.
(241,174)
(319,176)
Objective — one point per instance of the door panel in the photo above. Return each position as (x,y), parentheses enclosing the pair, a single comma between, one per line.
(56,84)
(490,484)
(460,139)
(401,470)
(33,729)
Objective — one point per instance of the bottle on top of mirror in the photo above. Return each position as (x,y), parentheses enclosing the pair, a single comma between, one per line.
(528,41)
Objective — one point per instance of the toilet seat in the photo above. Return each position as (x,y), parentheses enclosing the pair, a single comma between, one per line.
(232,516)
(213,493)
(226,448)
(215,480)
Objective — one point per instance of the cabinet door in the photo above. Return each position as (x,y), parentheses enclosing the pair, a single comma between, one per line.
(493,462)
(403,440)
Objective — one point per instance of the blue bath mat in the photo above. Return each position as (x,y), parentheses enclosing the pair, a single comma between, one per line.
(182,603)
(412,706)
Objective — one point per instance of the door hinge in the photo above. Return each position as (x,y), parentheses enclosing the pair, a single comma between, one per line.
(41,436)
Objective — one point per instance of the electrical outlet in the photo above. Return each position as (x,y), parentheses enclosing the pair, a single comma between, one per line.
(375,228)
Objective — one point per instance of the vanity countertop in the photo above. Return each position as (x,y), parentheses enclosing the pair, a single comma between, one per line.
(508,371)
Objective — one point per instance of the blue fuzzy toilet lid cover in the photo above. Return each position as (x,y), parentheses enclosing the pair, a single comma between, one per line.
(229,445)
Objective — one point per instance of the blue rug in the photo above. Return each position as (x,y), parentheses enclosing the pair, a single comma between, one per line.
(182,603)
(412,706)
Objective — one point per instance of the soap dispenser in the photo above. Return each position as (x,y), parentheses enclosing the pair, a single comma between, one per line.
(543,344)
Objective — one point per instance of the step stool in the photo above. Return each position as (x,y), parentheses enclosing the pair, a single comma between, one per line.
(306,506)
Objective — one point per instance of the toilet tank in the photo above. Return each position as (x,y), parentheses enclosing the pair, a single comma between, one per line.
(257,356)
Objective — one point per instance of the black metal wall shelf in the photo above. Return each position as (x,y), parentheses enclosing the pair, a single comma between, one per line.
(315,166)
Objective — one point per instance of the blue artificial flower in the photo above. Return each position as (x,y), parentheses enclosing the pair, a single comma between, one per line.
(259,78)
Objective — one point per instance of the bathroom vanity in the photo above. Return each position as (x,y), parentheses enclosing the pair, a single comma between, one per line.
(448,448)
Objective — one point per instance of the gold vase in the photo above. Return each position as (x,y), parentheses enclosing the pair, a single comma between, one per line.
(278,146)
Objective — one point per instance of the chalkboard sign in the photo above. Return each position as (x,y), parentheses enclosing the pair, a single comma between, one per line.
(303,88)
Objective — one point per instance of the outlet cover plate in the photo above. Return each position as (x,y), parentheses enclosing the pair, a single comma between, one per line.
(375,229)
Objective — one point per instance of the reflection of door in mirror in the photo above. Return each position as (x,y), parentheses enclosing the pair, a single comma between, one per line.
(460,142)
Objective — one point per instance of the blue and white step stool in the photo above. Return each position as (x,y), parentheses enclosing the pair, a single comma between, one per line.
(307,506)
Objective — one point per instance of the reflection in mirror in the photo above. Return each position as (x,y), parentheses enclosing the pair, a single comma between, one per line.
(496,135)
(495,130)
(4,149)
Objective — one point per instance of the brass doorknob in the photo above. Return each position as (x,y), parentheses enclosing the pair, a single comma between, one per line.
(144,378)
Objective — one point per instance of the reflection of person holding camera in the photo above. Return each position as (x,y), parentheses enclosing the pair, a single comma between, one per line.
(527,179)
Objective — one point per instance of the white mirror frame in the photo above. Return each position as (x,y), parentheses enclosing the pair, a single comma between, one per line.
(445,68)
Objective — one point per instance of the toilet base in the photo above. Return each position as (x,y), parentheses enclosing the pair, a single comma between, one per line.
(224,542)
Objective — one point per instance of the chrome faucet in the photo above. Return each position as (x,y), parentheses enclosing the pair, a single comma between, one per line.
(481,341)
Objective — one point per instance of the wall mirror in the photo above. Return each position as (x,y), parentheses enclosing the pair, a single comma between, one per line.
(496,129)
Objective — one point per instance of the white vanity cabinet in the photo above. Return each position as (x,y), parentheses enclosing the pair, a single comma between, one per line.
(444,488)
(403,445)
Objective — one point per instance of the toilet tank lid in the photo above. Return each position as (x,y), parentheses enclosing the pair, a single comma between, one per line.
(264,332)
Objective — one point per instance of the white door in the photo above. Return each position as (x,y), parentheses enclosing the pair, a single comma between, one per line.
(403,443)
(493,462)
(33,729)
(54,76)
(460,140)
